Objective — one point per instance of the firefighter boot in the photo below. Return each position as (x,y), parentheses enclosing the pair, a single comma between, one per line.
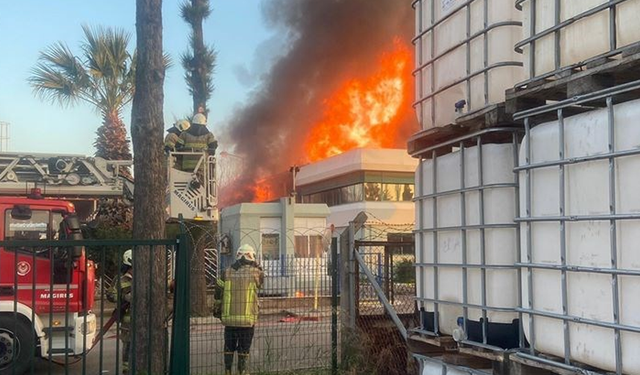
(228,362)
(242,364)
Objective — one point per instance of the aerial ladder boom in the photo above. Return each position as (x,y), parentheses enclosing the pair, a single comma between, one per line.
(191,191)
(63,175)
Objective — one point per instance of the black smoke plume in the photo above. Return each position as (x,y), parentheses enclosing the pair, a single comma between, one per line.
(328,41)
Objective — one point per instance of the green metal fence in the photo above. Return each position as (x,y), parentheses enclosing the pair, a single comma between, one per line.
(63,310)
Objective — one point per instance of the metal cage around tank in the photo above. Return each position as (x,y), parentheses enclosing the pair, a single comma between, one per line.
(430,320)
(427,57)
(535,35)
(557,114)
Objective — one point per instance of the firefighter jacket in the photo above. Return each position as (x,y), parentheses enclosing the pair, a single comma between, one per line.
(198,138)
(123,293)
(173,139)
(240,296)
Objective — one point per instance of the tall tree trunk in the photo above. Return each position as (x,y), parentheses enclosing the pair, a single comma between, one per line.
(111,140)
(200,89)
(200,234)
(150,184)
(202,237)
(112,144)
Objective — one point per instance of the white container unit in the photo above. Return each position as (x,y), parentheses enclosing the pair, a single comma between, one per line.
(466,239)
(464,51)
(582,30)
(580,236)
(436,366)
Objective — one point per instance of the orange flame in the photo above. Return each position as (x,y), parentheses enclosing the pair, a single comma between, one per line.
(262,192)
(365,113)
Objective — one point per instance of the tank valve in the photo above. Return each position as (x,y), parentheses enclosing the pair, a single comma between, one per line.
(459,334)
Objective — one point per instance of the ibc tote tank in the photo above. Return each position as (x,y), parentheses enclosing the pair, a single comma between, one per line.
(583,30)
(596,235)
(465,224)
(464,51)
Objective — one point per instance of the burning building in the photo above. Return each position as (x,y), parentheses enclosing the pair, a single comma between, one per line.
(344,83)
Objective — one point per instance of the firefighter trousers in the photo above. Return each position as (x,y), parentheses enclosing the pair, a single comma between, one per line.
(237,339)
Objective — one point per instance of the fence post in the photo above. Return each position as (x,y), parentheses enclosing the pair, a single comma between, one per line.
(179,356)
(334,306)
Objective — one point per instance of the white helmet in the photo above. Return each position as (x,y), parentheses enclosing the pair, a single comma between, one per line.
(199,119)
(182,125)
(127,258)
(246,251)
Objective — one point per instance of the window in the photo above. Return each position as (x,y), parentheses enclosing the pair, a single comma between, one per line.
(372,191)
(301,246)
(407,193)
(397,192)
(270,246)
(316,246)
(369,191)
(309,246)
(39,227)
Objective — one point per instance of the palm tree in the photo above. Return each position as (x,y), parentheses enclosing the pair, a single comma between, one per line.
(200,60)
(198,63)
(147,130)
(103,76)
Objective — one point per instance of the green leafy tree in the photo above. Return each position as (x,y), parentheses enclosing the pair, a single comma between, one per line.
(102,75)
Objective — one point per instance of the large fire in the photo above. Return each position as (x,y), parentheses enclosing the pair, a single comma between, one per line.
(362,112)
(365,112)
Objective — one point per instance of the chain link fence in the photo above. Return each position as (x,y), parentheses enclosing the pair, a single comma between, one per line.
(293,330)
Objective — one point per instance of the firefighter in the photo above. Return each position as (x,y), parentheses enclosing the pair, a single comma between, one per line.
(240,307)
(198,139)
(122,292)
(173,141)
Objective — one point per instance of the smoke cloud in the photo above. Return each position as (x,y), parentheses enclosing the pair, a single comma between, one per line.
(329,41)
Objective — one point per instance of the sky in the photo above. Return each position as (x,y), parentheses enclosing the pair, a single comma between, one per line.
(235,29)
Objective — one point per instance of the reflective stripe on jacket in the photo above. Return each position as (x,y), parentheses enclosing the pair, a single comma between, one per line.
(124,294)
(172,139)
(240,306)
(197,139)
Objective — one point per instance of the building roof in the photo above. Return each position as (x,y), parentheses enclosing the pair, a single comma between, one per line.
(360,159)
(275,209)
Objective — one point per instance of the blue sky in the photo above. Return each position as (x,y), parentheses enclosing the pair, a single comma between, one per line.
(235,28)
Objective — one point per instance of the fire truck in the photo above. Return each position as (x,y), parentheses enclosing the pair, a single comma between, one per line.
(47,292)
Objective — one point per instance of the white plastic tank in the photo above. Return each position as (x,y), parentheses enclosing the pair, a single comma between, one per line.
(435,366)
(588,243)
(450,69)
(500,244)
(572,44)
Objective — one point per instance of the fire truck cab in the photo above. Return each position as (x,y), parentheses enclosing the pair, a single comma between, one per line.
(46,292)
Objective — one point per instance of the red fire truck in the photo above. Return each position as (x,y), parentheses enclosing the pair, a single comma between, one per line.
(49,290)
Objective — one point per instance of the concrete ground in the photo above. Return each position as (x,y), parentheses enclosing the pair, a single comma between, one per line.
(277,347)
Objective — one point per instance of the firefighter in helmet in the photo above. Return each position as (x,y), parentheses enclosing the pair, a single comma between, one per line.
(198,139)
(173,141)
(121,293)
(240,307)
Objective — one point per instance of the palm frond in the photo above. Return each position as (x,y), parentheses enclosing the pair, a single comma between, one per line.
(59,76)
(194,10)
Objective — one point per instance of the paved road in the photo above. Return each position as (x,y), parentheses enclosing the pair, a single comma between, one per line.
(277,346)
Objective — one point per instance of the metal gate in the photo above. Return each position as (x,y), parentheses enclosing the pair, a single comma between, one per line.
(385,300)
(59,315)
